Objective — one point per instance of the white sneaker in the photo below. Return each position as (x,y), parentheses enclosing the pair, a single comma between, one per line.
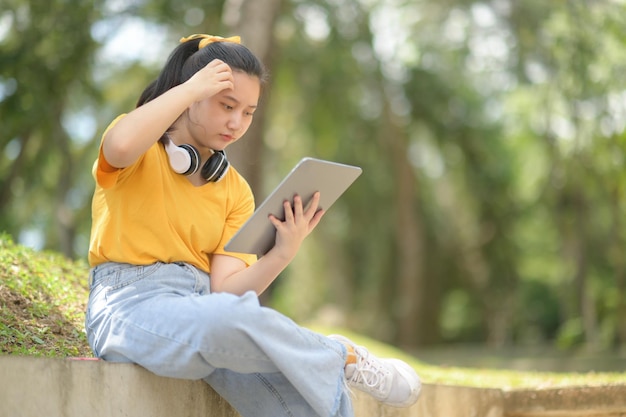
(390,381)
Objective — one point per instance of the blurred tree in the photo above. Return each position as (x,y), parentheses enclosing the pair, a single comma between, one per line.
(573,67)
(254,21)
(45,59)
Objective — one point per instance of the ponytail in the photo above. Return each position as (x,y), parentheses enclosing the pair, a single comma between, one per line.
(170,75)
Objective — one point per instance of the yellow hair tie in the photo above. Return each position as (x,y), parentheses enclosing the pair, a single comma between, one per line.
(207,39)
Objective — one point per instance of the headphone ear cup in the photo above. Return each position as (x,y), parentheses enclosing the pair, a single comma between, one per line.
(215,167)
(194,158)
(183,159)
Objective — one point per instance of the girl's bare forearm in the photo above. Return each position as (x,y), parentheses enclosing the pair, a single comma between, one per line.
(141,128)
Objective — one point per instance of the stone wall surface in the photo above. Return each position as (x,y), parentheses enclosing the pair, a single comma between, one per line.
(43,387)
(70,388)
(606,401)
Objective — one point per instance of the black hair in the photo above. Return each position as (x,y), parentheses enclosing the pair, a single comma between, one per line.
(186,59)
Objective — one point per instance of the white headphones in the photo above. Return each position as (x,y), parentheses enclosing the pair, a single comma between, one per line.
(185,160)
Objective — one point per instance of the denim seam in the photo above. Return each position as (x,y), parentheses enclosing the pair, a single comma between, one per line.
(343,387)
(146,271)
(275,393)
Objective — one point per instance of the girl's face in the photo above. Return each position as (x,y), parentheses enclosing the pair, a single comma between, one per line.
(216,122)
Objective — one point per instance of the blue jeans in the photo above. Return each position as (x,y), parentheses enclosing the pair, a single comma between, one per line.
(165,318)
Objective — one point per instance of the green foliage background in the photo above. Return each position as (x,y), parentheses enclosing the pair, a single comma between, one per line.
(491,134)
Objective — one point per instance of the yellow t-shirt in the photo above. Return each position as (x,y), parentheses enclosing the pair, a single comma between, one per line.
(147,213)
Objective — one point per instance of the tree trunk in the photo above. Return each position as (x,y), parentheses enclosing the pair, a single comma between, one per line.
(409,237)
(615,256)
(410,290)
(253,20)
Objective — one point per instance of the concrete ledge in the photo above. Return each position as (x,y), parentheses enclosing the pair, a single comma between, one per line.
(606,401)
(37,387)
(69,388)
(438,401)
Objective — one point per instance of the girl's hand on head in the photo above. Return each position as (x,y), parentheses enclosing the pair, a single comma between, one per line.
(216,76)
(298,224)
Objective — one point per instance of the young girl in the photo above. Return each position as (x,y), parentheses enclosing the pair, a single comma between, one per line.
(163,291)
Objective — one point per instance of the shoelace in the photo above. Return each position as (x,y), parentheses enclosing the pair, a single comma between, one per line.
(368,372)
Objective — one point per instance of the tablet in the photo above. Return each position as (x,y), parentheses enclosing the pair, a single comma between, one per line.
(331,179)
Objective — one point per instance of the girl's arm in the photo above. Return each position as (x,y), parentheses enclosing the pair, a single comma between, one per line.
(133,135)
(229,274)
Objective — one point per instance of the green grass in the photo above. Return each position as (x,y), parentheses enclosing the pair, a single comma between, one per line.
(42,300)
(42,304)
